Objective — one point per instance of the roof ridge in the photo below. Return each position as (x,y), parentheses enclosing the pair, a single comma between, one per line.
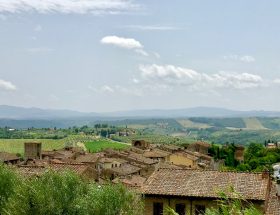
(210,170)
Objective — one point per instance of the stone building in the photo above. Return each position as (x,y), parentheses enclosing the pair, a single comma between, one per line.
(193,191)
(33,150)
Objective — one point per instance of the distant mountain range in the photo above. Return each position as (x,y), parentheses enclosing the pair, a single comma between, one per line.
(21,113)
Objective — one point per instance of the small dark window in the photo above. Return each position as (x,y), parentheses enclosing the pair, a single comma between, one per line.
(116,165)
(112,165)
(180,209)
(158,208)
(199,210)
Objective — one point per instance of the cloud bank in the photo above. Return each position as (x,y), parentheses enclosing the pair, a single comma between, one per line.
(172,75)
(67,6)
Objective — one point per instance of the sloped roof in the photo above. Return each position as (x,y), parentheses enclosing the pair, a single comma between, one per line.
(38,170)
(198,183)
(156,153)
(88,158)
(5,156)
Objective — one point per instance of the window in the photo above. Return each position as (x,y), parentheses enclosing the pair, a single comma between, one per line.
(180,209)
(112,165)
(199,210)
(116,165)
(158,208)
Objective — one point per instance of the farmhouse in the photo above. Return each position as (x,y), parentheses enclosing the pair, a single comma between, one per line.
(192,191)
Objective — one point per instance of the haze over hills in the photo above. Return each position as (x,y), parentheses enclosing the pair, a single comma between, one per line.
(22,113)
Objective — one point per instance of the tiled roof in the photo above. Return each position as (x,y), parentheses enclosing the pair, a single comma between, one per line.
(38,170)
(88,158)
(134,181)
(201,143)
(5,156)
(156,153)
(125,169)
(111,160)
(197,183)
(273,203)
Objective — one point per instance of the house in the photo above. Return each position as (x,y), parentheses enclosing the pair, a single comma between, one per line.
(89,158)
(183,159)
(191,159)
(134,181)
(170,148)
(190,191)
(201,147)
(123,171)
(9,158)
(156,154)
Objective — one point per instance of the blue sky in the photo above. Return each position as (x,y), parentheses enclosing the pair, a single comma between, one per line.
(106,55)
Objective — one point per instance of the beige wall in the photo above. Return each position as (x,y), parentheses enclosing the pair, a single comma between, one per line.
(177,159)
(190,204)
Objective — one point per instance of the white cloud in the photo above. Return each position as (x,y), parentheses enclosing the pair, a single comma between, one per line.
(68,6)
(6,85)
(243,58)
(172,75)
(127,43)
(38,28)
(151,27)
(142,52)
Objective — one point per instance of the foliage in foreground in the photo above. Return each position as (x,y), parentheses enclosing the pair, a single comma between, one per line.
(63,193)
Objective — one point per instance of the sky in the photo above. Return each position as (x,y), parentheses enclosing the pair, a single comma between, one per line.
(110,55)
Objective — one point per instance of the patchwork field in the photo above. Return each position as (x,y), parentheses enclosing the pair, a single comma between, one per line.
(253,124)
(99,145)
(17,145)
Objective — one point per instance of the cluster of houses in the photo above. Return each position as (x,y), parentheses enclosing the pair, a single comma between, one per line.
(187,180)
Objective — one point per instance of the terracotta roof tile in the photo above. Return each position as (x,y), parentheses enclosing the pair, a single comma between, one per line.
(273,203)
(197,183)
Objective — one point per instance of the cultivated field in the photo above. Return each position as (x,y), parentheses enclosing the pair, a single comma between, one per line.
(99,145)
(253,124)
